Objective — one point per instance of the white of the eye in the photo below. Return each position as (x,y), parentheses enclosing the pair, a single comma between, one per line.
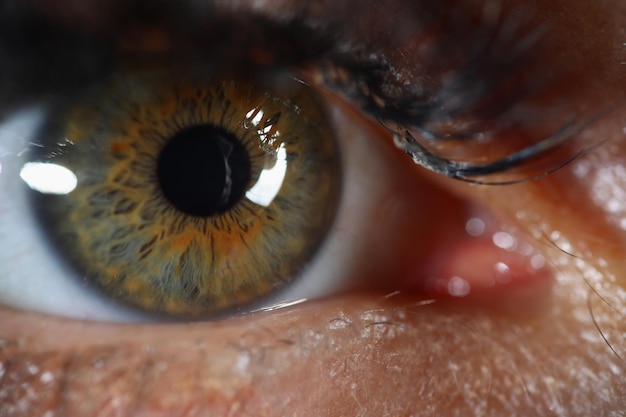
(270,180)
(48,178)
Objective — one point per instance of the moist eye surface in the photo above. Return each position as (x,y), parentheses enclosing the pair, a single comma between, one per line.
(194,196)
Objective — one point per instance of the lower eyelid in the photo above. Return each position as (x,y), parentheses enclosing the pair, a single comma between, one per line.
(96,368)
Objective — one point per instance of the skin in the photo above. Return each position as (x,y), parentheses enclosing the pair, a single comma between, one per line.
(552,346)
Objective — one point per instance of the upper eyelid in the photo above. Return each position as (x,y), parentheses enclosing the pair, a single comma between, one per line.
(31,39)
(276,38)
(360,58)
(525,61)
(270,40)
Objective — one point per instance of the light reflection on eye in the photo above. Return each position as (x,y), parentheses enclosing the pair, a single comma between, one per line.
(48,178)
(270,181)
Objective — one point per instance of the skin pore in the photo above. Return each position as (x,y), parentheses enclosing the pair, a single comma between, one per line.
(552,347)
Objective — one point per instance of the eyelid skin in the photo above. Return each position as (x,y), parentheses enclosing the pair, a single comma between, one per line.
(324,358)
(485,94)
(557,352)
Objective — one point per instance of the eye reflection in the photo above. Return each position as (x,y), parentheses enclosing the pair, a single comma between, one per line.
(48,178)
(270,180)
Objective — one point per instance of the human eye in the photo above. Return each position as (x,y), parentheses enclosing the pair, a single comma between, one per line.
(156,105)
(545,350)
(143,222)
(141,190)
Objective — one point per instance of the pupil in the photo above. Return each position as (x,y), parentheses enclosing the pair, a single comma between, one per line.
(203,170)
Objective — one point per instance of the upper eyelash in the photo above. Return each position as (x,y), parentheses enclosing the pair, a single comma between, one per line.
(492,54)
(496,54)
(30,42)
(472,173)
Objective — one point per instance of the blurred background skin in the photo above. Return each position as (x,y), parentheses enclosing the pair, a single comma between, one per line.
(557,348)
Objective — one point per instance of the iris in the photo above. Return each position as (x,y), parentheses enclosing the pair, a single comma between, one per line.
(194,195)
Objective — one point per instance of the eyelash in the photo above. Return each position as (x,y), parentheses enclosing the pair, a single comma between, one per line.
(502,69)
(417,114)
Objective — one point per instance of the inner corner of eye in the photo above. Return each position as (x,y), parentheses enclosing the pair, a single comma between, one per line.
(190,196)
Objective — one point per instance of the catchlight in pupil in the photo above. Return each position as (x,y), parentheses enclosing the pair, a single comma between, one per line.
(203,170)
(194,196)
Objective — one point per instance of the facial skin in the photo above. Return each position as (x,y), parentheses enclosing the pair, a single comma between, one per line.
(551,347)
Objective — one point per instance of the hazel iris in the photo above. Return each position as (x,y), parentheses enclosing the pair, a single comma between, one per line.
(194,195)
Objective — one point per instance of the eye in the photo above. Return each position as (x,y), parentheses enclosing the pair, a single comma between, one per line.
(125,232)
(374,91)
